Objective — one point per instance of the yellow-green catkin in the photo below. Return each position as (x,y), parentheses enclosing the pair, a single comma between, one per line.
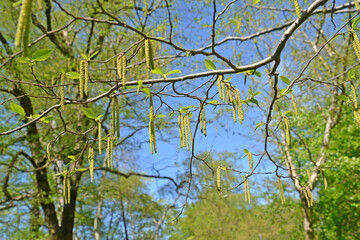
(149,55)
(82,78)
(108,151)
(287,130)
(250,158)
(48,151)
(152,128)
(117,109)
(202,120)
(65,186)
(357,5)
(99,135)
(356,109)
(188,131)
(308,174)
(111,152)
(86,76)
(355,42)
(40,4)
(113,116)
(223,92)
(119,65)
(247,190)
(180,130)
(123,70)
(281,191)
(68,190)
(91,162)
(218,178)
(183,127)
(219,77)
(309,197)
(297,8)
(24,18)
(62,91)
(239,105)
(294,103)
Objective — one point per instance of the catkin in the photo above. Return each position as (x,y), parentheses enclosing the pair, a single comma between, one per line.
(65,185)
(223,90)
(308,174)
(180,130)
(68,190)
(24,18)
(250,160)
(247,190)
(355,42)
(62,91)
(356,109)
(108,151)
(188,132)
(152,128)
(309,198)
(99,135)
(123,70)
(119,65)
(239,105)
(48,151)
(91,163)
(297,8)
(234,111)
(218,80)
(111,152)
(82,78)
(117,109)
(325,181)
(287,130)
(40,4)
(357,5)
(183,130)
(281,191)
(86,76)
(149,55)
(202,120)
(294,103)
(218,179)
(113,116)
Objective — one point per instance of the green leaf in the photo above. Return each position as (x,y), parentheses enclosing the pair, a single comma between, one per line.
(42,54)
(17,3)
(245,150)
(93,55)
(72,75)
(257,93)
(84,56)
(255,1)
(213,102)
(351,74)
(98,117)
(158,71)
(343,98)
(72,157)
(171,114)
(285,80)
(258,125)
(146,90)
(282,91)
(173,71)
(355,23)
(18,109)
(89,113)
(160,116)
(23,60)
(190,115)
(80,169)
(47,119)
(253,100)
(257,73)
(209,64)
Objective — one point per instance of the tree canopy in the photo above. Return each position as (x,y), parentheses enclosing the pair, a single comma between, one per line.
(166,119)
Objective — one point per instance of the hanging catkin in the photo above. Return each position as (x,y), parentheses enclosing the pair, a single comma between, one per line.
(119,65)
(91,163)
(219,86)
(250,158)
(188,132)
(297,8)
(180,130)
(24,18)
(123,72)
(40,4)
(356,109)
(108,151)
(202,120)
(99,135)
(149,55)
(152,128)
(218,179)
(247,190)
(239,105)
(287,130)
(294,103)
(281,191)
(117,109)
(62,91)
(82,78)
(113,116)
(357,7)
(355,42)
(86,76)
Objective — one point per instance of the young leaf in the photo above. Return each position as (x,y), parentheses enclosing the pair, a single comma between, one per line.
(356,22)
(209,65)
(72,157)
(18,109)
(42,54)
(93,55)
(80,169)
(146,90)
(89,113)
(160,116)
(258,125)
(158,71)
(343,97)
(173,71)
(213,102)
(23,60)
(72,75)
(285,80)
